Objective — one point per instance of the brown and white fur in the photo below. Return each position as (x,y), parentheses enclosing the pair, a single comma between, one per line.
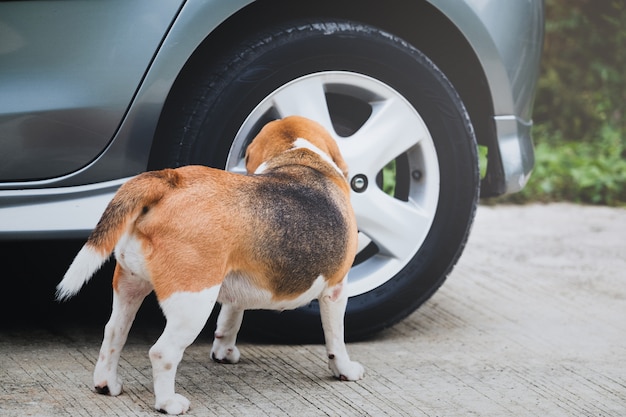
(275,239)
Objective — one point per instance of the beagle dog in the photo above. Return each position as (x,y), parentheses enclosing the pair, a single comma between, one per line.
(277,238)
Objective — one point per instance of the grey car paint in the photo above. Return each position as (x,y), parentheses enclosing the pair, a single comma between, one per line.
(62,93)
(58,184)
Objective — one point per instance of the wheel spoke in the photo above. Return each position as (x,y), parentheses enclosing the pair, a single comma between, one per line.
(392,224)
(305,97)
(392,129)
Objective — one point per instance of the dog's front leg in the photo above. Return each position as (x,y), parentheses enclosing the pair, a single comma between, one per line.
(186,314)
(127,299)
(332,308)
(228,325)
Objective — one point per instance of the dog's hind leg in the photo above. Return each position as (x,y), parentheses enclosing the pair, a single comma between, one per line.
(186,314)
(128,295)
(332,308)
(228,324)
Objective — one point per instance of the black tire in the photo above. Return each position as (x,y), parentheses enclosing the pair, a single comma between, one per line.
(207,122)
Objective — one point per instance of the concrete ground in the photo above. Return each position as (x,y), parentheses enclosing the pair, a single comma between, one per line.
(531,322)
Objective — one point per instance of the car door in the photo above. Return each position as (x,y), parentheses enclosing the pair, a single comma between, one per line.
(68,72)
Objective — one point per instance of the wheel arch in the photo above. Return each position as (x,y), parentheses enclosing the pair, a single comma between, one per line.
(419,22)
(226,93)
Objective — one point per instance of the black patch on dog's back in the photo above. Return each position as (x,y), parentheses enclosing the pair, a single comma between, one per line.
(307,230)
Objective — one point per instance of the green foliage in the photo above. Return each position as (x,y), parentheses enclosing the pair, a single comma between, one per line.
(579,113)
(582,87)
(582,172)
(389,178)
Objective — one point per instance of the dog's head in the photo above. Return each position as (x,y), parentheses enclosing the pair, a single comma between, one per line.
(282,135)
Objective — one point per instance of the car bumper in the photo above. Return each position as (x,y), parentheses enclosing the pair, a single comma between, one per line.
(516,155)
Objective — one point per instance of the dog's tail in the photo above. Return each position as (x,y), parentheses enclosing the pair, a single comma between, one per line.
(133,199)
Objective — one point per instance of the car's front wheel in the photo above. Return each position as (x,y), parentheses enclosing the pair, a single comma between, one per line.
(400,125)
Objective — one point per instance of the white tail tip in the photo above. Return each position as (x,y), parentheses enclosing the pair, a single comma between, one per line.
(85,264)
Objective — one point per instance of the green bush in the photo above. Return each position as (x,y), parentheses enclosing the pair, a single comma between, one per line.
(582,87)
(579,113)
(582,172)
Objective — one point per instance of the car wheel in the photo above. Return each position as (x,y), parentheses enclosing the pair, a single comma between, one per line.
(400,125)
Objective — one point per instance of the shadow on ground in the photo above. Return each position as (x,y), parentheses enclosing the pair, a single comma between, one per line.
(34,268)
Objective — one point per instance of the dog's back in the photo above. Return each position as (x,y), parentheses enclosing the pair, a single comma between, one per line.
(301,231)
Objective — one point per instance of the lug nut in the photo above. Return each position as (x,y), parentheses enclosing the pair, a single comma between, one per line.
(359,183)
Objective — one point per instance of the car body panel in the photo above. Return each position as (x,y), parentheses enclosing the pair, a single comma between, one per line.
(119,135)
(127,151)
(68,212)
(507,38)
(62,94)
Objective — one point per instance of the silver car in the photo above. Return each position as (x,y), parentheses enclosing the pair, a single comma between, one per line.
(95,92)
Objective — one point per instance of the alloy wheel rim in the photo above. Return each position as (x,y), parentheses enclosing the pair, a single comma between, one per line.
(384,141)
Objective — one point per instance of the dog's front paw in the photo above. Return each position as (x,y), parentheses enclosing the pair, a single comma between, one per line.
(346,370)
(225,354)
(177,404)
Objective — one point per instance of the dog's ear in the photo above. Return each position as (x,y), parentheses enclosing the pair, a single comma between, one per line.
(268,143)
(254,157)
(249,161)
